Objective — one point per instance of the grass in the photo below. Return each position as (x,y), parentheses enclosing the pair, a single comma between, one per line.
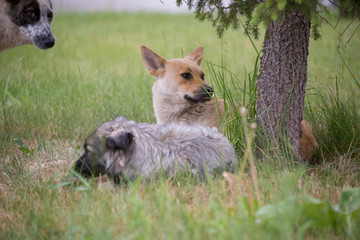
(51,100)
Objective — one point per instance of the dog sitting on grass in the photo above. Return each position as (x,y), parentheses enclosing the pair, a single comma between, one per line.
(125,150)
(181,95)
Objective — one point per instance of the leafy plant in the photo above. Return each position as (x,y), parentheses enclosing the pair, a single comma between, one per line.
(311,214)
(23,147)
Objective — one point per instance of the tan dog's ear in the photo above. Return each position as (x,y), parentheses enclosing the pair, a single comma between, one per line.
(152,61)
(196,55)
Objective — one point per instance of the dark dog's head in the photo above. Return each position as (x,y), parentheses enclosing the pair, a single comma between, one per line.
(105,152)
(33,18)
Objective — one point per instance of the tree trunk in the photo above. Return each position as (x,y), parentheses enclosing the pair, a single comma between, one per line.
(282,81)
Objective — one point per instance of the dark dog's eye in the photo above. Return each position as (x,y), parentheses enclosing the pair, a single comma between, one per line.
(50,16)
(31,14)
(186,75)
(203,76)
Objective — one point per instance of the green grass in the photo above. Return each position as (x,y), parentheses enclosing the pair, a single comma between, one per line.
(51,100)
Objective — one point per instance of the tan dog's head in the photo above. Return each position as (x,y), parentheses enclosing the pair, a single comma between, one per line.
(180,80)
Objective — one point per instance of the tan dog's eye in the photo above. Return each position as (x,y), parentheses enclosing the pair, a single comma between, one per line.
(186,75)
(203,76)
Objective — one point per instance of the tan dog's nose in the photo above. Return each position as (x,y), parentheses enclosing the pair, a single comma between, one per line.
(209,90)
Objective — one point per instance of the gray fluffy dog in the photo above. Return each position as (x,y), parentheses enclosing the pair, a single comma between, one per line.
(126,150)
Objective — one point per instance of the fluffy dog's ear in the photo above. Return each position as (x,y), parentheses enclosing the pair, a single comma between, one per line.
(121,141)
(196,55)
(152,61)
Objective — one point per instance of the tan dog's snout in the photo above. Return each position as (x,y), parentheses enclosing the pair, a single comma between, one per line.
(203,94)
(208,90)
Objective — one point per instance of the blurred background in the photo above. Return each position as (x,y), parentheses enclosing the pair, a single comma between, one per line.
(119,5)
(127,5)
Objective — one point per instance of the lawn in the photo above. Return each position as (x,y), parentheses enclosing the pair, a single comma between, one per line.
(52,100)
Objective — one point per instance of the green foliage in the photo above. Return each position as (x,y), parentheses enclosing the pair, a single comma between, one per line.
(236,93)
(254,12)
(337,124)
(349,8)
(349,202)
(23,147)
(311,214)
(224,17)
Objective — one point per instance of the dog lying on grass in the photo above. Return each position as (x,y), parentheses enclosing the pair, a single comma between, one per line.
(181,95)
(26,22)
(125,150)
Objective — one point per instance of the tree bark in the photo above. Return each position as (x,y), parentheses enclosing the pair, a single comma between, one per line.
(282,81)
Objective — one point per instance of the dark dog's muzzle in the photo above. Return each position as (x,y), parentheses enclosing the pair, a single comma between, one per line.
(44,41)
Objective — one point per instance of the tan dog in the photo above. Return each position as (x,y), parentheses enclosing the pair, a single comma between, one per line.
(181,95)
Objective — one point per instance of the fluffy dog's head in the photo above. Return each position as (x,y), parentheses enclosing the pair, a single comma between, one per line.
(33,18)
(179,80)
(106,151)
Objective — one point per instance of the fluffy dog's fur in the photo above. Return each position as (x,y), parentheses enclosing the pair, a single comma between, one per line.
(124,150)
(180,95)
(26,22)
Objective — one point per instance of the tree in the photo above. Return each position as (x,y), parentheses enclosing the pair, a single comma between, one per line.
(283,67)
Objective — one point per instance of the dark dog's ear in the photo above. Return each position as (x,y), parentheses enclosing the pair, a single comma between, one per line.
(196,55)
(152,61)
(121,141)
